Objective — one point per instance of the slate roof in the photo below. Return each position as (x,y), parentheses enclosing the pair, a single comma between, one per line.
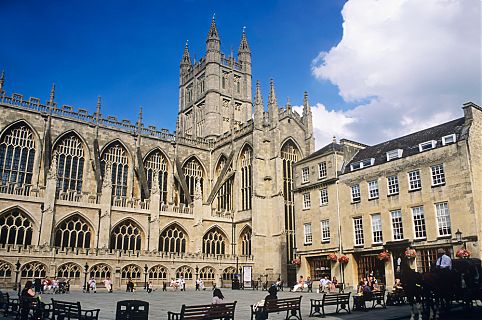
(326,149)
(409,143)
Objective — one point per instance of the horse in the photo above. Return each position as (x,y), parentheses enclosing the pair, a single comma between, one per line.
(412,282)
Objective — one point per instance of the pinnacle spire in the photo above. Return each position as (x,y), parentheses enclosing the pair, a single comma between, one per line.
(258,99)
(306,105)
(213,31)
(139,118)
(52,95)
(186,59)
(97,109)
(272,94)
(243,46)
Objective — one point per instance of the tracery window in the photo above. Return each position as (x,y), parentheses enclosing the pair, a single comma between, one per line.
(228,273)
(100,271)
(246,242)
(225,193)
(126,236)
(290,154)
(131,271)
(33,270)
(173,239)
(184,271)
(5,270)
(15,228)
(214,242)
(70,164)
(69,271)
(157,161)
(158,272)
(246,176)
(193,172)
(73,232)
(17,154)
(207,273)
(116,155)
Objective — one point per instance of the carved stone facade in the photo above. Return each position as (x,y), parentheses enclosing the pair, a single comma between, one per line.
(84,189)
(415,191)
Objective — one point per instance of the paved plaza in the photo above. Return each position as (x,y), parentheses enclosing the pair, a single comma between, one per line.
(161,302)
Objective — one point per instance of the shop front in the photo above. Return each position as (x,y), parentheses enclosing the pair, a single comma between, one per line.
(319,267)
(370,265)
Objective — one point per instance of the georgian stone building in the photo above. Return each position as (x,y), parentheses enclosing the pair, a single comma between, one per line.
(81,189)
(419,190)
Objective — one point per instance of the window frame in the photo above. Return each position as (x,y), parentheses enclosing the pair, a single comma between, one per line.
(424,145)
(412,181)
(449,136)
(359,239)
(322,170)
(362,164)
(443,220)
(397,225)
(438,178)
(419,223)
(325,230)
(373,192)
(305,174)
(377,231)
(306,200)
(358,192)
(308,233)
(324,196)
(395,185)
(392,156)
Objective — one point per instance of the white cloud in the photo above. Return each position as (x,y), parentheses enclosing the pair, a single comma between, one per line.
(409,64)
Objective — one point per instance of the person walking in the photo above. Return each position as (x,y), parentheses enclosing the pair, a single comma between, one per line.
(217,296)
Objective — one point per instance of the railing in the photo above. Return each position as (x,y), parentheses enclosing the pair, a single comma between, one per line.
(133,203)
(75,196)
(222,213)
(181,208)
(22,189)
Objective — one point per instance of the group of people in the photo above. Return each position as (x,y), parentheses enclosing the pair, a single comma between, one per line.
(326,285)
(54,285)
(179,283)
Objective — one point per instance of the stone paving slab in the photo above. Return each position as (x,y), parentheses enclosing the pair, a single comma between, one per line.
(161,302)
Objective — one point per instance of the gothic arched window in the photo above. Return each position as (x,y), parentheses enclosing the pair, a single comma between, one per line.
(225,193)
(100,271)
(126,235)
(131,271)
(5,270)
(290,154)
(157,161)
(193,172)
(33,270)
(158,272)
(15,228)
(207,273)
(70,163)
(17,155)
(228,273)
(246,176)
(73,232)
(214,242)
(69,271)
(246,242)
(184,271)
(116,156)
(173,239)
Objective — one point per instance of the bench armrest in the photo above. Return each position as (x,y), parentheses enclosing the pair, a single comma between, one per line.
(173,315)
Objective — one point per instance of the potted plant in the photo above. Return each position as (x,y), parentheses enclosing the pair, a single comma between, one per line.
(463,254)
(384,256)
(410,253)
(332,257)
(343,260)
(296,262)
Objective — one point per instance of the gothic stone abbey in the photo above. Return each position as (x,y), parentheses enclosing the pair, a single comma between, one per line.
(82,190)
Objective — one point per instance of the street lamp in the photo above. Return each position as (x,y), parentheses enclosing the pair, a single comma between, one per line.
(460,240)
(17,270)
(197,282)
(86,268)
(145,276)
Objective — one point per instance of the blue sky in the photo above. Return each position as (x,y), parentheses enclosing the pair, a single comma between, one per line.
(128,52)
(374,69)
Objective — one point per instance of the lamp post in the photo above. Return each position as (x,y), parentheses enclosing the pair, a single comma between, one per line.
(145,276)
(86,268)
(458,237)
(17,270)
(197,282)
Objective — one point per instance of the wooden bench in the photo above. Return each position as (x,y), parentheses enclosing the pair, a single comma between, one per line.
(340,300)
(72,310)
(292,306)
(378,299)
(396,297)
(204,312)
